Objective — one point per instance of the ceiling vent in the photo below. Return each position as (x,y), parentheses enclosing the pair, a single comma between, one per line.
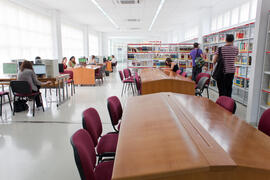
(134,28)
(133,20)
(127,2)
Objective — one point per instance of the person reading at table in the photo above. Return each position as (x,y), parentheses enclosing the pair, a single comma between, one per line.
(64,62)
(92,61)
(72,62)
(27,73)
(169,63)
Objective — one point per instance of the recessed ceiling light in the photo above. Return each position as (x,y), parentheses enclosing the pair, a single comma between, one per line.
(105,14)
(157,13)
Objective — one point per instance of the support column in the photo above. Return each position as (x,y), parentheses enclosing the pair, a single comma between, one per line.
(57,35)
(85,41)
(257,63)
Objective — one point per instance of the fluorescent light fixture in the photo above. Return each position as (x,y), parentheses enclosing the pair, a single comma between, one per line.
(105,14)
(157,13)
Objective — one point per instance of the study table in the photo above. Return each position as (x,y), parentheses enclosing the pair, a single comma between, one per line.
(58,83)
(85,75)
(176,136)
(156,80)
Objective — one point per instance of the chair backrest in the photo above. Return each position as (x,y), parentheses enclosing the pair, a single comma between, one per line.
(129,71)
(121,75)
(227,103)
(264,124)
(138,83)
(92,123)
(203,75)
(126,73)
(178,72)
(70,73)
(184,74)
(201,84)
(20,87)
(115,109)
(84,154)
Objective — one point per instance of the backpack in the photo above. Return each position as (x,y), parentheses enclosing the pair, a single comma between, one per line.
(218,70)
(20,105)
(199,61)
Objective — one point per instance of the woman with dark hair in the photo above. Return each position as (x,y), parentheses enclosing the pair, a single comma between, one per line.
(27,73)
(64,62)
(72,62)
(92,60)
(169,63)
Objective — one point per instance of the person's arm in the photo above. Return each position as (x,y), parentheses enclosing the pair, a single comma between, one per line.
(215,58)
(35,80)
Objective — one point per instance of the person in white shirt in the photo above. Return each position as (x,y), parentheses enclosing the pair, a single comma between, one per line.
(92,60)
(113,59)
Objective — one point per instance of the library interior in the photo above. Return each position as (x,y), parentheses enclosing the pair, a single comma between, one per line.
(134,89)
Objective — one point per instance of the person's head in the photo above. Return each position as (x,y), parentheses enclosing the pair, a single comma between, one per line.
(26,65)
(229,38)
(196,45)
(72,59)
(112,56)
(37,58)
(206,50)
(168,61)
(64,60)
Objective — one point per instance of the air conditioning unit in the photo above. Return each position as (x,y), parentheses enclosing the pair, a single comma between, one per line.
(127,2)
(133,20)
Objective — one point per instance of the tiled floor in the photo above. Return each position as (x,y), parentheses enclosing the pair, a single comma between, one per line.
(38,148)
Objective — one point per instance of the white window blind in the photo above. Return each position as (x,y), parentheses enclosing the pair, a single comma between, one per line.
(253,9)
(227,17)
(244,12)
(72,41)
(93,44)
(24,34)
(192,33)
(214,24)
(235,16)
(220,22)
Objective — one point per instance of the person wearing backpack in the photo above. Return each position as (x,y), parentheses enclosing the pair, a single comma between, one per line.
(196,53)
(229,56)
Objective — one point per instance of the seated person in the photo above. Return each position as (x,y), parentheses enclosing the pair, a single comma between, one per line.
(38,60)
(27,73)
(72,62)
(64,62)
(92,60)
(113,60)
(173,66)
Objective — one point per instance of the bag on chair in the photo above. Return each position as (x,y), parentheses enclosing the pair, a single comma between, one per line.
(20,105)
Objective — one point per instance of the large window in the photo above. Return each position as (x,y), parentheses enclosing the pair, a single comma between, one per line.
(72,41)
(192,33)
(244,12)
(220,22)
(253,9)
(93,44)
(227,16)
(235,16)
(24,34)
(214,24)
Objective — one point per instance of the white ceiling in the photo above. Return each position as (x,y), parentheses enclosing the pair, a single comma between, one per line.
(173,13)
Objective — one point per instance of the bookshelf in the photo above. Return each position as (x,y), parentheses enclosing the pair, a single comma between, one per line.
(244,39)
(149,55)
(265,86)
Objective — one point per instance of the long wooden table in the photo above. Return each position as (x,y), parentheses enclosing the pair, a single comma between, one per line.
(85,75)
(58,83)
(175,136)
(156,80)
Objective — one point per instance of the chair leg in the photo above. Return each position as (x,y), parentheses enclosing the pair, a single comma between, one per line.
(41,100)
(45,92)
(131,84)
(10,102)
(123,89)
(34,104)
(14,98)
(1,106)
(73,86)
(207,92)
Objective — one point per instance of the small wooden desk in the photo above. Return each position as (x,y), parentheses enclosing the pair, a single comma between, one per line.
(85,75)
(156,80)
(175,136)
(58,83)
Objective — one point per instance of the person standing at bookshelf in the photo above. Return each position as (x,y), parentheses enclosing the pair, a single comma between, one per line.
(229,53)
(196,52)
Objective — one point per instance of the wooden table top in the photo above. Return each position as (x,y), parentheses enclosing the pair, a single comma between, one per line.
(157,74)
(174,135)
(60,76)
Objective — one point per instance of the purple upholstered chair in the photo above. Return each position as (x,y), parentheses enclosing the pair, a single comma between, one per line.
(264,124)
(115,111)
(85,158)
(138,84)
(227,103)
(184,74)
(126,82)
(106,145)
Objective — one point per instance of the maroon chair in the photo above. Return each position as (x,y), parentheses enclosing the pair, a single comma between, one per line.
(126,83)
(184,74)
(227,103)
(85,158)
(138,84)
(106,145)
(70,81)
(264,124)
(178,72)
(99,75)
(207,83)
(115,111)
(3,93)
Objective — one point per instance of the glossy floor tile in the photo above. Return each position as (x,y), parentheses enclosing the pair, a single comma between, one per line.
(38,148)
